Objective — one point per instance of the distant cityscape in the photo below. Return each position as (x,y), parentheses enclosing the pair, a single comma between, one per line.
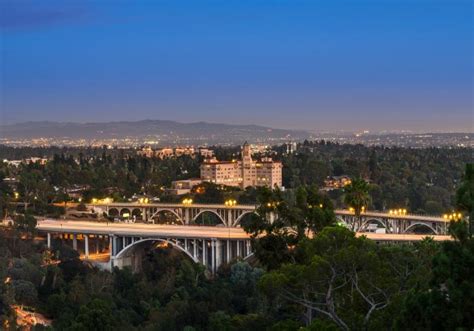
(173,134)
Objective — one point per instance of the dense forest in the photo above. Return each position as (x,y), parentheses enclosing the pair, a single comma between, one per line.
(332,280)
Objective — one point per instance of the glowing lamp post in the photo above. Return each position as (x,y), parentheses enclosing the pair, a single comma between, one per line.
(187,202)
(230,203)
(453,216)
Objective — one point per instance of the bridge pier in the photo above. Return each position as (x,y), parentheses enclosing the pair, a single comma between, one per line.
(86,246)
(213,256)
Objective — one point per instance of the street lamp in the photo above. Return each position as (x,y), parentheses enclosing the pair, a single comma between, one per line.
(453,216)
(230,203)
(187,201)
(399,212)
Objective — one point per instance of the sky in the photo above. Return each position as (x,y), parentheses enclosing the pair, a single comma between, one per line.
(317,65)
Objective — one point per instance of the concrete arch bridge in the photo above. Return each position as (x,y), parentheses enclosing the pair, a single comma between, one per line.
(230,216)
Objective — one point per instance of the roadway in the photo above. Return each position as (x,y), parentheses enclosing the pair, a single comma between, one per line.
(401,237)
(142,230)
(188,231)
(375,214)
(410,217)
(169,205)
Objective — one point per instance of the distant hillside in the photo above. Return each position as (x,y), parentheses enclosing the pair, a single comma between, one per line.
(146,129)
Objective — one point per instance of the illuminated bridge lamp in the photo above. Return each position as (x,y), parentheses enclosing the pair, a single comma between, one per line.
(230,203)
(187,201)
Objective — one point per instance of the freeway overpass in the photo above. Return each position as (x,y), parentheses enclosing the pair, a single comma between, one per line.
(208,245)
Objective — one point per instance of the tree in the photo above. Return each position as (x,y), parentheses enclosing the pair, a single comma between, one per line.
(26,222)
(96,315)
(339,278)
(448,303)
(465,195)
(25,292)
(357,197)
(282,221)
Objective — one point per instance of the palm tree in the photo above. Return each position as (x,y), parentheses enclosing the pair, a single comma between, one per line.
(357,197)
(465,195)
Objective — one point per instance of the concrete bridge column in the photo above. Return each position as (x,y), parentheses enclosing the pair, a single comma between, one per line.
(238,248)
(229,218)
(228,250)
(186,216)
(112,250)
(86,246)
(48,236)
(74,242)
(111,246)
(204,252)
(195,249)
(213,257)
(248,248)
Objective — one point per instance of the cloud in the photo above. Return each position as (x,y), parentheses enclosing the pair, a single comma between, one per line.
(31,14)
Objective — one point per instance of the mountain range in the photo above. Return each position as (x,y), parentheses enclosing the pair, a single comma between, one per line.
(161,130)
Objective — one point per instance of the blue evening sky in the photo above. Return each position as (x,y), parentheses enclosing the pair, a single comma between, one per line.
(320,64)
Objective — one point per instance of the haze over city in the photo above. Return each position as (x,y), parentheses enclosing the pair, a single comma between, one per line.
(339,65)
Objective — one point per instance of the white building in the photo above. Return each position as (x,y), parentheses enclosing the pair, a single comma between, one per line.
(243,173)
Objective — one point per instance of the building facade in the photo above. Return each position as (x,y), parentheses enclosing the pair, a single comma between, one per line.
(243,173)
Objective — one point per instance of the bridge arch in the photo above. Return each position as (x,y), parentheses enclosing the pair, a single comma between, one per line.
(113,212)
(125,211)
(245,213)
(159,212)
(169,210)
(137,213)
(368,221)
(341,221)
(420,224)
(209,211)
(133,245)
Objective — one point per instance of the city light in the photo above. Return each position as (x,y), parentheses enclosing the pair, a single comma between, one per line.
(105,200)
(400,212)
(187,201)
(453,216)
(230,203)
(17,195)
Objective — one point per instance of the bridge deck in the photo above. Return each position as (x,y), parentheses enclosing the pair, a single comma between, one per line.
(410,217)
(142,230)
(188,231)
(161,205)
(169,205)
(402,237)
